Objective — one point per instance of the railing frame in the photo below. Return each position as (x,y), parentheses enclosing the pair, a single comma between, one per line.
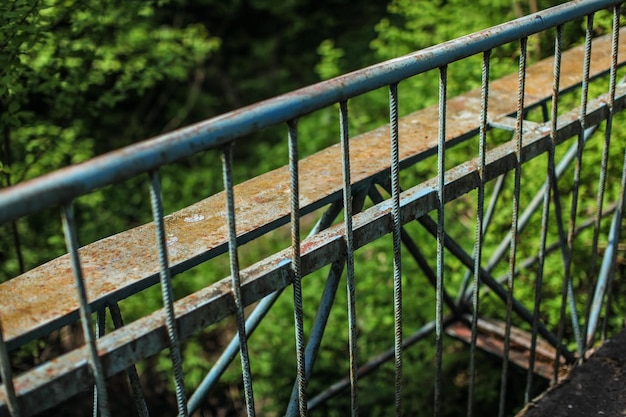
(105,355)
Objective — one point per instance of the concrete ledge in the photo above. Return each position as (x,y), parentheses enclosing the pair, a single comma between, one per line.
(595,388)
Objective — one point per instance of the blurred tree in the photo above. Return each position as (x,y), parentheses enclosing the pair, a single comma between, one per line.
(74,71)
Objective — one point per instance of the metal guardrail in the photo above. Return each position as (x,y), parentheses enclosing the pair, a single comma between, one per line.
(337,179)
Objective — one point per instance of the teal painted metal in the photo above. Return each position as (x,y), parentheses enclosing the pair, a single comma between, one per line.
(54,382)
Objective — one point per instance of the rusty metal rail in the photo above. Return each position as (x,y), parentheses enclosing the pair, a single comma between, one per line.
(96,277)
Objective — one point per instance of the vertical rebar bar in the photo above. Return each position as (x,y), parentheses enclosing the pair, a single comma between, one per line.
(227,173)
(295,266)
(538,289)
(582,118)
(71,241)
(605,151)
(514,230)
(347,210)
(441,172)
(480,209)
(550,186)
(397,242)
(567,293)
(166,292)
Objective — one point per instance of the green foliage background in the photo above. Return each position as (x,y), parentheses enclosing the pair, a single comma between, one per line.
(83,77)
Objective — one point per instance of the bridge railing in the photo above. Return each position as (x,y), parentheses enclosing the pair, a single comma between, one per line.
(551,113)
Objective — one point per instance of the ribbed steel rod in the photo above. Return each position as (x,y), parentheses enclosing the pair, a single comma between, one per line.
(584,99)
(480,227)
(167,294)
(350,280)
(514,222)
(550,186)
(233,256)
(605,151)
(441,182)
(397,242)
(296,267)
(71,241)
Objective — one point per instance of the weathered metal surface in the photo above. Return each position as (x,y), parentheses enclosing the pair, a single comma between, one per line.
(63,377)
(121,265)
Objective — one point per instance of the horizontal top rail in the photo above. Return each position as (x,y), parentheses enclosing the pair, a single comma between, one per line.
(123,264)
(66,184)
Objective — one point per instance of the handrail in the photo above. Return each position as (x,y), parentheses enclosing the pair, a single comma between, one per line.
(66,184)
